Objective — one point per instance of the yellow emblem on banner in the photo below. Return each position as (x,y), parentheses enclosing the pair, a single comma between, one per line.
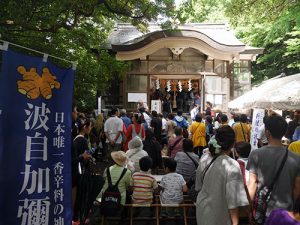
(33,85)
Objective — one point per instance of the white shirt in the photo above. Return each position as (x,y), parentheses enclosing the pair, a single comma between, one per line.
(147,119)
(143,105)
(172,184)
(231,122)
(164,124)
(194,112)
(112,126)
(222,189)
(134,155)
(261,134)
(216,125)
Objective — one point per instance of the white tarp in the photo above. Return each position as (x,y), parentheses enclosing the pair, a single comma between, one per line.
(281,93)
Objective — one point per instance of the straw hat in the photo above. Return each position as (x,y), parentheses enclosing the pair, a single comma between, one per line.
(119,158)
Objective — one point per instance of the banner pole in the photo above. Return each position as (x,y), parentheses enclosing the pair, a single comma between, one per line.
(6,43)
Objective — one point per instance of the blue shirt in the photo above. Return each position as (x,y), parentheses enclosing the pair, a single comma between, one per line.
(126,121)
(181,121)
(296,135)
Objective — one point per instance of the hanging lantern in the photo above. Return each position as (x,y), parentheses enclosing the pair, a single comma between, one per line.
(168,86)
(180,86)
(157,84)
(190,85)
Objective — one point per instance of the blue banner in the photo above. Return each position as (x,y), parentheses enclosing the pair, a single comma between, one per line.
(35,141)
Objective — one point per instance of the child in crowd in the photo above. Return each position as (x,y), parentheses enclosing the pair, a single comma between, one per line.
(143,183)
(173,185)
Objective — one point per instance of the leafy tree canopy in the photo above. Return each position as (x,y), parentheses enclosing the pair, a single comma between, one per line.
(272,24)
(76,30)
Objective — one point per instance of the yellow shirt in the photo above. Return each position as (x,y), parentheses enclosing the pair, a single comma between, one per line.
(198,134)
(239,136)
(295,147)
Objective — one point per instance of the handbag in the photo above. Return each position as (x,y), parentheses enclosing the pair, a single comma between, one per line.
(262,197)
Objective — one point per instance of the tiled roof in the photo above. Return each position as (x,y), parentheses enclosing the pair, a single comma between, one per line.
(127,35)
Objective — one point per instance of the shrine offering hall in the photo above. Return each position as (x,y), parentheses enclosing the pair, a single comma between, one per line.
(206,59)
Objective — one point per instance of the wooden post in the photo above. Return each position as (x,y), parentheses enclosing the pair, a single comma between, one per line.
(102,220)
(131,215)
(184,215)
(157,214)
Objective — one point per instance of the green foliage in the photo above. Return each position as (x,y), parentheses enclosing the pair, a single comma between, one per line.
(271,24)
(197,11)
(76,30)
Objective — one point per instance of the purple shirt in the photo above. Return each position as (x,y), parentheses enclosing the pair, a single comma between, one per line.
(281,217)
(175,145)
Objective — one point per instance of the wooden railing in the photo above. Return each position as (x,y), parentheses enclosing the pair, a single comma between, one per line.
(185,206)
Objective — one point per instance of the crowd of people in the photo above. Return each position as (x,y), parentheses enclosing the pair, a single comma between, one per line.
(209,158)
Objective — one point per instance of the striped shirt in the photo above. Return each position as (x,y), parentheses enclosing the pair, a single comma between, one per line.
(143,184)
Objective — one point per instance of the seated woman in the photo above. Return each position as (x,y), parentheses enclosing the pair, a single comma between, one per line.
(187,161)
(135,153)
(117,173)
(284,217)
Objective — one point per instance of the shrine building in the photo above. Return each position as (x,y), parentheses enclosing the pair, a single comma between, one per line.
(206,57)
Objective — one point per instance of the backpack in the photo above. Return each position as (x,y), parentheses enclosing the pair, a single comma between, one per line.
(111,197)
(262,197)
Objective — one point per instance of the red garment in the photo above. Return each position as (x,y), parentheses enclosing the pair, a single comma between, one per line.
(175,145)
(137,130)
(243,169)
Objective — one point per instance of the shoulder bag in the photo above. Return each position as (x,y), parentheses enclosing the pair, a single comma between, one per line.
(262,196)
(243,132)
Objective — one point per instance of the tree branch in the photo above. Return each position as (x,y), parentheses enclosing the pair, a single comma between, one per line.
(119,12)
(66,24)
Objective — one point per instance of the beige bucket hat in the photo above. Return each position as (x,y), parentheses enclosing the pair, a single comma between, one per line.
(119,158)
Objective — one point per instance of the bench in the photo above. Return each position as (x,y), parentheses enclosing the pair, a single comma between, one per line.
(185,206)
